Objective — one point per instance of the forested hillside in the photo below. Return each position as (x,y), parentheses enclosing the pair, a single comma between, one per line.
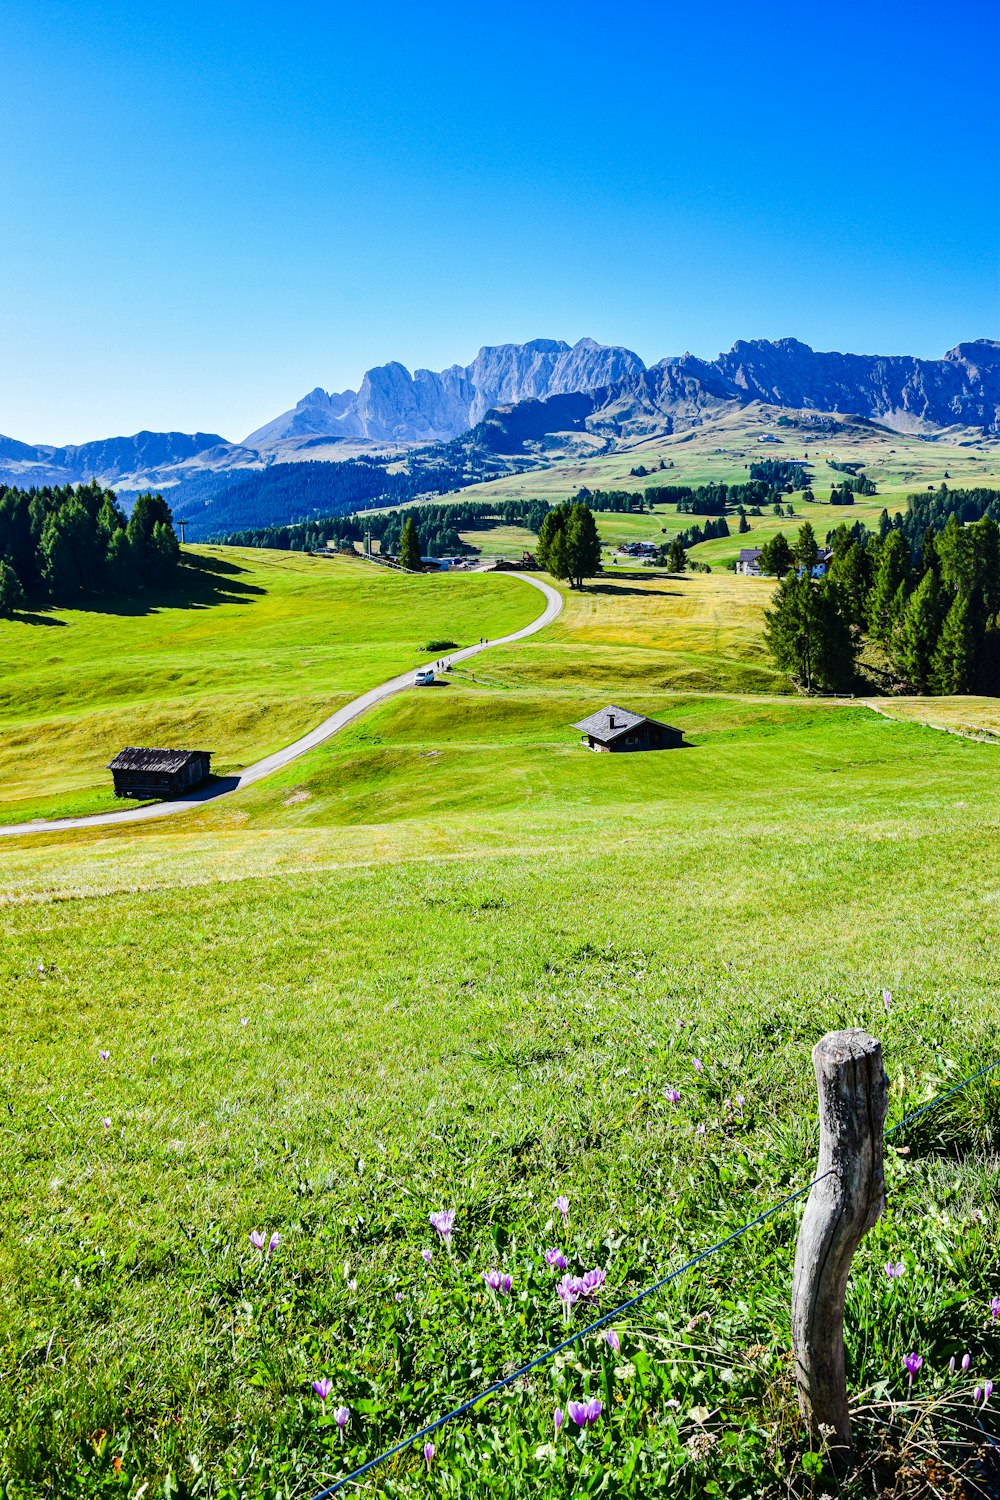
(56,544)
(438,527)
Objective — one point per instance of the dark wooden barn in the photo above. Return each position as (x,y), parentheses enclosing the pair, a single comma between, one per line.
(158,773)
(614,728)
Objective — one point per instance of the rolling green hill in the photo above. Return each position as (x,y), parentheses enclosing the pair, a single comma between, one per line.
(452,959)
(252,649)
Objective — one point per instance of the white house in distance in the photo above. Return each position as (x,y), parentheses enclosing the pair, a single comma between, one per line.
(749,561)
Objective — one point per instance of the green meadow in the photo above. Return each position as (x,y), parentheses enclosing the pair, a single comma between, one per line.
(451,959)
(248,652)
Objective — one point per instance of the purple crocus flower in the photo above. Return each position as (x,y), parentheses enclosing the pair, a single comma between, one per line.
(966,1362)
(558,1418)
(244,1020)
(103,1055)
(352,1285)
(584,1413)
(590,1282)
(568,1292)
(429,1452)
(341,1416)
(976,1395)
(892,1270)
(612,1340)
(323,1388)
(887,998)
(951,1365)
(497,1281)
(256,1239)
(273,1242)
(740,1102)
(913,1363)
(697,1064)
(700,1129)
(399,1296)
(443,1221)
(995,1307)
(562,1204)
(672,1095)
(987,1390)
(106,1122)
(556,1260)
(428,1255)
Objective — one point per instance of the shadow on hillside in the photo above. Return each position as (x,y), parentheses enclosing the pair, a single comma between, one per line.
(26,617)
(621,588)
(202,582)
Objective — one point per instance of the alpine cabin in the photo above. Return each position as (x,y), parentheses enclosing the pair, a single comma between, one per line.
(614,728)
(158,773)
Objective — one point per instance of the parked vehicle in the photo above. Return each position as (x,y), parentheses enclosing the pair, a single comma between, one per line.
(424,677)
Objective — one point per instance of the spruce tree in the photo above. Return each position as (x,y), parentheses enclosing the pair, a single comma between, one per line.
(744,525)
(806,549)
(676,556)
(917,635)
(409,546)
(888,591)
(953,665)
(583,545)
(775,556)
(11,592)
(807,633)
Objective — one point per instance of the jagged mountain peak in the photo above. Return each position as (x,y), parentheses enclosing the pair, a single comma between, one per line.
(391,405)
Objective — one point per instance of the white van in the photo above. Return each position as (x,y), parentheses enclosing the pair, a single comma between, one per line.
(424,677)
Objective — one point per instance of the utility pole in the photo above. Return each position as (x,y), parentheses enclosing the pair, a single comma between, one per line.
(182,525)
(368,543)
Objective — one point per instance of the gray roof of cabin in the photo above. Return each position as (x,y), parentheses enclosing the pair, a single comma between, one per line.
(133,759)
(599,724)
(749,554)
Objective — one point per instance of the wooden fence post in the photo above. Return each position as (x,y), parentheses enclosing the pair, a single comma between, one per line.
(839,1212)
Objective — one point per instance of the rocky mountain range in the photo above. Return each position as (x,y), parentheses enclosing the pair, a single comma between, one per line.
(519,393)
(433,406)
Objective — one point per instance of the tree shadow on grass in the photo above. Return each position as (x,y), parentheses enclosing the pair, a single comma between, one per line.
(202,583)
(26,617)
(617,588)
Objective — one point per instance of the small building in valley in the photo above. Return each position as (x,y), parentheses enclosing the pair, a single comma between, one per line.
(614,728)
(749,561)
(158,773)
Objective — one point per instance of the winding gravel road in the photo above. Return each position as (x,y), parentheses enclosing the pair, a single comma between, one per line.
(229,784)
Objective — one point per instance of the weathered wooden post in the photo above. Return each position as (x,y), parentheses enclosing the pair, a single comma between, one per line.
(840,1210)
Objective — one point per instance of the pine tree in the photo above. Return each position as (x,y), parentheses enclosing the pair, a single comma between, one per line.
(918,631)
(583,545)
(806,550)
(409,546)
(744,525)
(11,592)
(807,633)
(888,591)
(953,665)
(552,525)
(676,556)
(775,556)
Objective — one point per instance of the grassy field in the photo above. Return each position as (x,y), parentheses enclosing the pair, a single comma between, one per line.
(252,649)
(451,959)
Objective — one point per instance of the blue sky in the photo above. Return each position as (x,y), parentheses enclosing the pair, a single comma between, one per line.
(208,209)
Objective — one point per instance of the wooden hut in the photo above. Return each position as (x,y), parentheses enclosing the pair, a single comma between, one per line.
(158,773)
(614,728)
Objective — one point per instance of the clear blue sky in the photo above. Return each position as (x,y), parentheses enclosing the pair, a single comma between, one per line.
(208,209)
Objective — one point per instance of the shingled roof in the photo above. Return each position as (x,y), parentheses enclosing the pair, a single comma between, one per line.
(608,723)
(132,759)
